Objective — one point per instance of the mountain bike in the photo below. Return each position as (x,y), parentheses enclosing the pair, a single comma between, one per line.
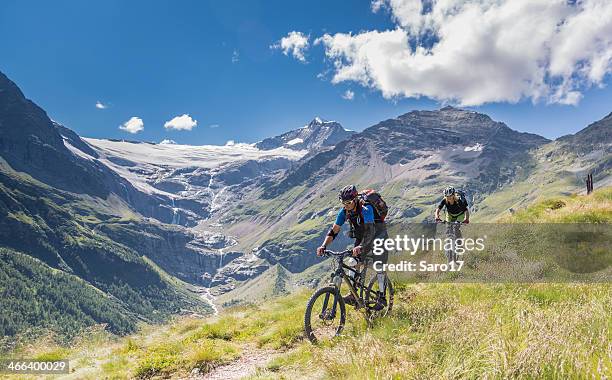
(326,310)
(453,232)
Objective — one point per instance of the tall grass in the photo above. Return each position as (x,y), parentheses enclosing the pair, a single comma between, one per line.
(593,208)
(475,331)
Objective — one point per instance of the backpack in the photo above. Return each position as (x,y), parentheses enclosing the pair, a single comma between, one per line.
(462,197)
(372,197)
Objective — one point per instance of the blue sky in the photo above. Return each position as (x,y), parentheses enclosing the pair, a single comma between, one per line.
(212,60)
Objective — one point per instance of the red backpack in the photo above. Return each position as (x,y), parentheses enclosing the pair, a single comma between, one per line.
(372,197)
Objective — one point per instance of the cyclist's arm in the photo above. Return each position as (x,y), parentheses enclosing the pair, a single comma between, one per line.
(439,208)
(368,229)
(368,238)
(335,229)
(331,235)
(466,210)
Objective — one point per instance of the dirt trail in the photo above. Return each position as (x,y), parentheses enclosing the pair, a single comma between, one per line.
(251,359)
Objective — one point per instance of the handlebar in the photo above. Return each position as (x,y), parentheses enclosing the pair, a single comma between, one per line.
(339,253)
(446,222)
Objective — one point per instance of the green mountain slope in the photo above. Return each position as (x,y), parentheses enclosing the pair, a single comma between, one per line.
(62,211)
(46,298)
(74,236)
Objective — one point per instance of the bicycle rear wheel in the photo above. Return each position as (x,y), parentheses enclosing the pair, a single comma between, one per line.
(325,315)
(379,301)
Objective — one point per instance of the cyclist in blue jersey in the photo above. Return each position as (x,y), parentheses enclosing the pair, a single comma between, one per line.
(366,225)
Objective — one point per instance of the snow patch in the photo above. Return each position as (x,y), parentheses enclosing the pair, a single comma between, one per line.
(151,158)
(76,151)
(295,141)
(476,148)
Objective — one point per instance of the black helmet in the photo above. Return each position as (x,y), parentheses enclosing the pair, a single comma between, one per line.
(449,191)
(348,193)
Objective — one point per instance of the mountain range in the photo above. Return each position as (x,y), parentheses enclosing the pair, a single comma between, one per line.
(140,231)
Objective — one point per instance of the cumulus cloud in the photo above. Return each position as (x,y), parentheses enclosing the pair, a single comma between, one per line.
(479,51)
(181,123)
(348,95)
(235,56)
(295,43)
(134,125)
(167,142)
(101,106)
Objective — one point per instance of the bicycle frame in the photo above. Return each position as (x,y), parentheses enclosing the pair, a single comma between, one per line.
(453,230)
(340,275)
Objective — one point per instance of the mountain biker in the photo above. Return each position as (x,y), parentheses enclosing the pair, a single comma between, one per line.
(456,207)
(366,225)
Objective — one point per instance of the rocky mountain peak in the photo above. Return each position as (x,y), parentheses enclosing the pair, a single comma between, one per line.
(21,120)
(449,117)
(449,109)
(318,122)
(318,133)
(31,143)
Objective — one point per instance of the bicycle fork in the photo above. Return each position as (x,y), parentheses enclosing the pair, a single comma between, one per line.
(329,315)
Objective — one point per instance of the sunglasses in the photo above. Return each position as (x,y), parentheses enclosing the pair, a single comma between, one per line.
(346,203)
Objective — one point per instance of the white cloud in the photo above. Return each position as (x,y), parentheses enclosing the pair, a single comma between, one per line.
(235,56)
(167,142)
(295,43)
(377,5)
(478,51)
(181,123)
(101,106)
(230,143)
(134,125)
(348,95)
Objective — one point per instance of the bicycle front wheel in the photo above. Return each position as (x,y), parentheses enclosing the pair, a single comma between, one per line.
(325,315)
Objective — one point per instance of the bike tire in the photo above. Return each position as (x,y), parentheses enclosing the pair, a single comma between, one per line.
(308,330)
(389,292)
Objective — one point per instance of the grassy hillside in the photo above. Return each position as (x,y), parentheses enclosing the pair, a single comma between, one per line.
(595,208)
(461,331)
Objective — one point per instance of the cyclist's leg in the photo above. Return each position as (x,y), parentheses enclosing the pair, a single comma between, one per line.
(451,233)
(454,233)
(460,218)
(450,218)
(381,233)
